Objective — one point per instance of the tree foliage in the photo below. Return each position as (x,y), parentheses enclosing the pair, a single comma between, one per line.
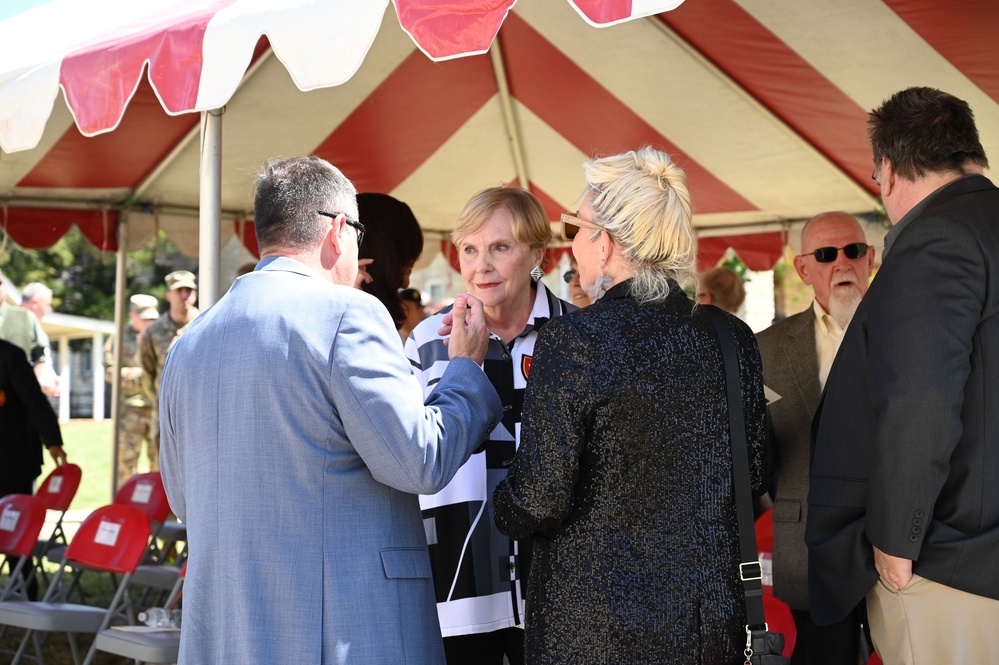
(82,277)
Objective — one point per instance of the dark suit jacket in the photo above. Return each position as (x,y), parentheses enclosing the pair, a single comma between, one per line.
(906,443)
(24,413)
(791,369)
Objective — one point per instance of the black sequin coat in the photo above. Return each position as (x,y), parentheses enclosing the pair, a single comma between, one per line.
(624,479)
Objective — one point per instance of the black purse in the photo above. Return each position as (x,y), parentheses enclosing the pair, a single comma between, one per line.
(762,646)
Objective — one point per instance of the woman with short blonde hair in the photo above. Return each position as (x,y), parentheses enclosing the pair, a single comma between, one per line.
(528,220)
(501,236)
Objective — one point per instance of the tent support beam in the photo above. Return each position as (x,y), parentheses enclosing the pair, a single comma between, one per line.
(721,75)
(210,217)
(506,102)
(120,293)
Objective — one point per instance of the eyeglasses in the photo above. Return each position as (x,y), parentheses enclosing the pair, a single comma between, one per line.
(350,222)
(571,225)
(569,275)
(828,254)
(875,178)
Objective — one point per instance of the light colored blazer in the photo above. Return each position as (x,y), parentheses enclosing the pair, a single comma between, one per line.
(791,368)
(294,441)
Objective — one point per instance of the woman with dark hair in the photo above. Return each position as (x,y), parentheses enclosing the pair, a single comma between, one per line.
(393,241)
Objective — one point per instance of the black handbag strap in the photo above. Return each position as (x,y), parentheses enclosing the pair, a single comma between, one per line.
(750,570)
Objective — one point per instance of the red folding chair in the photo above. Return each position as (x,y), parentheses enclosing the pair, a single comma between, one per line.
(56,493)
(145,492)
(112,539)
(765,546)
(145,647)
(22,517)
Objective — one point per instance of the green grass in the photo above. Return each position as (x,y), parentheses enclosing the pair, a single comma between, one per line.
(88,444)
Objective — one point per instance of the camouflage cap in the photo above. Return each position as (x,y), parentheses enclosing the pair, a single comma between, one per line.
(144,306)
(179,279)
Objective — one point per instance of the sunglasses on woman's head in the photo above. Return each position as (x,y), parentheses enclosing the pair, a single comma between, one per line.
(571,225)
(828,254)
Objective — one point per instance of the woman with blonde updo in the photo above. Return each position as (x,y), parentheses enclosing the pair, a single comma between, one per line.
(624,472)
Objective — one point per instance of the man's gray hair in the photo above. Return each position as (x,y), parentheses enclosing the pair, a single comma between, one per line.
(33,291)
(289,194)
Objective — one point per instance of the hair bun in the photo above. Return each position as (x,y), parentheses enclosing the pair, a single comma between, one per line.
(660,169)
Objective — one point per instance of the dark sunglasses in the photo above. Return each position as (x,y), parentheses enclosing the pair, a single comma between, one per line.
(828,254)
(350,222)
(568,275)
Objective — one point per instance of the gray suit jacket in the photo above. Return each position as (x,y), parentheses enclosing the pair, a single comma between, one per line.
(790,368)
(907,433)
(294,441)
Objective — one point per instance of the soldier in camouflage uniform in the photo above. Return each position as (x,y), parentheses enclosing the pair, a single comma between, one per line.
(135,408)
(182,293)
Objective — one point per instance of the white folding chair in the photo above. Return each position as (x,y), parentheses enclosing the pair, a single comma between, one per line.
(161,646)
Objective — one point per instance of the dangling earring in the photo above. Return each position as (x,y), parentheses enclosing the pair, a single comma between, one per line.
(599,287)
(537,273)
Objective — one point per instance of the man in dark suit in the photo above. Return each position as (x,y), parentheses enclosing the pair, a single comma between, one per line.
(797,353)
(904,504)
(25,413)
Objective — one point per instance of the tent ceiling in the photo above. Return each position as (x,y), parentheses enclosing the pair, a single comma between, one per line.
(762,101)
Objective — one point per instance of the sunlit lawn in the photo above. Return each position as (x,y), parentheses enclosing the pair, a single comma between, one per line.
(88,444)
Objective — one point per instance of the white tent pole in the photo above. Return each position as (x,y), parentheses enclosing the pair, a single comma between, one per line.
(506,102)
(210,224)
(120,285)
(97,376)
(65,379)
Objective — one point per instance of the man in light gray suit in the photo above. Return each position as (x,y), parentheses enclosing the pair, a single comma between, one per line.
(295,440)
(797,354)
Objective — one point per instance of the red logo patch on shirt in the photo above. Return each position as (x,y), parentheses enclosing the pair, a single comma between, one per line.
(525,366)
(3,398)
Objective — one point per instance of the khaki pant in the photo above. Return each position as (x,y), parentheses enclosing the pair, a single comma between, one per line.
(927,623)
(135,428)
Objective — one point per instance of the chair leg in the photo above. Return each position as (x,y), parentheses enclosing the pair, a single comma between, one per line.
(22,647)
(38,649)
(74,648)
(92,652)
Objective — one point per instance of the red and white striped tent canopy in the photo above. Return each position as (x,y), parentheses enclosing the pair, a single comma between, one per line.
(762,101)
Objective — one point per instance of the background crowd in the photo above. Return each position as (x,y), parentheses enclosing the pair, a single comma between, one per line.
(517,478)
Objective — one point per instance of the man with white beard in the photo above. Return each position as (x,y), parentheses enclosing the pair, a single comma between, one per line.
(797,353)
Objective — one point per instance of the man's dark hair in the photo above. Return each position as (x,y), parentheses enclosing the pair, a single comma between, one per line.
(921,130)
(393,238)
(288,195)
